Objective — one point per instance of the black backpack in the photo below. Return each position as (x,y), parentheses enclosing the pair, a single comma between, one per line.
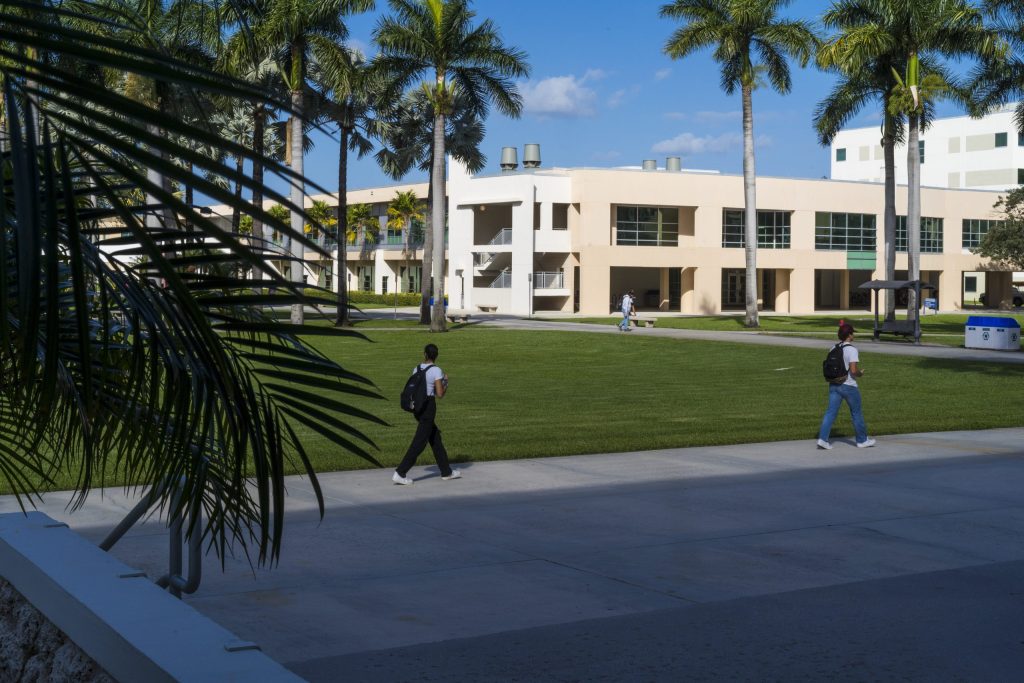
(414,395)
(834,367)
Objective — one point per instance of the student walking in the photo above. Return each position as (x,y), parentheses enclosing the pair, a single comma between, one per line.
(843,387)
(628,301)
(426,429)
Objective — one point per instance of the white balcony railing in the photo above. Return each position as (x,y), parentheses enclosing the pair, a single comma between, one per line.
(547,280)
(503,237)
(503,281)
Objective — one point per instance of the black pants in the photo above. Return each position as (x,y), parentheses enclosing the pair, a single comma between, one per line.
(426,432)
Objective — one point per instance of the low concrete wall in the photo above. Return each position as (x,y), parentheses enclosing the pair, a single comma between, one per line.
(118,617)
(33,649)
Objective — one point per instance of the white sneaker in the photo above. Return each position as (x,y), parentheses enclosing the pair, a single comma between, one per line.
(399,479)
(454,475)
(824,445)
(866,444)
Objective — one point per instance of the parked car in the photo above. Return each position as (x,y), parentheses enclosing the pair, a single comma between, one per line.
(1018,298)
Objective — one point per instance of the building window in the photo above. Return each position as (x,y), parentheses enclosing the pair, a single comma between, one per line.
(971,283)
(772,229)
(931,235)
(384,285)
(975,229)
(920,150)
(364,278)
(416,229)
(1020,139)
(844,231)
(841,154)
(1001,139)
(646,226)
(1020,176)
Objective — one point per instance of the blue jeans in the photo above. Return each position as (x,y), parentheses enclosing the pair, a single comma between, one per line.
(625,321)
(837,393)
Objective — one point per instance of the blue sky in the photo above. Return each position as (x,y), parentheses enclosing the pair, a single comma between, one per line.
(602,93)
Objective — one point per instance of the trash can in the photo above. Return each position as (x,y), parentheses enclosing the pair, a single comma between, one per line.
(1000,334)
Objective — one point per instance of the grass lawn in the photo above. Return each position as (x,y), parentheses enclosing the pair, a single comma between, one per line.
(524,394)
(946,329)
(521,394)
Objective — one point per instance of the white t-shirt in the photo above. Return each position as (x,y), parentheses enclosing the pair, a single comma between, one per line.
(433,374)
(850,355)
(627,303)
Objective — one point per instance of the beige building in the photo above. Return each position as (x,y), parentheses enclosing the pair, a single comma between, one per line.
(576,239)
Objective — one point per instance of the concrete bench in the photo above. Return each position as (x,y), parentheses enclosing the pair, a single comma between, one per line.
(459,317)
(648,322)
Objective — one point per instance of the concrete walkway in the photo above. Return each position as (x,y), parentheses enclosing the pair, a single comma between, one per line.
(752,562)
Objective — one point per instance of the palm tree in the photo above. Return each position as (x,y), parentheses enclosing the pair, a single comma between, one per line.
(301,31)
(746,35)
(403,210)
(917,33)
(109,378)
(350,100)
(408,144)
(435,41)
(872,82)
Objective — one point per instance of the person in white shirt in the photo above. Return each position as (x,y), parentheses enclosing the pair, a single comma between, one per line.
(426,429)
(628,303)
(848,391)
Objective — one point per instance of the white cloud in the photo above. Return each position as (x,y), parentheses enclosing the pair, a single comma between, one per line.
(566,96)
(662,74)
(688,143)
(620,95)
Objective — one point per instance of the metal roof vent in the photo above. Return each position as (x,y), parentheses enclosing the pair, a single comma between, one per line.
(531,156)
(509,159)
(673,164)
(650,165)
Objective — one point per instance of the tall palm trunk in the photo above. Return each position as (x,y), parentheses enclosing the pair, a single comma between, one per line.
(259,115)
(750,199)
(889,213)
(428,254)
(437,180)
(297,197)
(236,213)
(156,178)
(341,318)
(913,204)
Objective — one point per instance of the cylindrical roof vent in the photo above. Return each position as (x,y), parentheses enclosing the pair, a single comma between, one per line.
(531,156)
(650,165)
(673,164)
(509,158)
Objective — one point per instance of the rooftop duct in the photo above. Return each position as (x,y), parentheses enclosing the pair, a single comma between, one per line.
(673,164)
(509,159)
(650,165)
(531,156)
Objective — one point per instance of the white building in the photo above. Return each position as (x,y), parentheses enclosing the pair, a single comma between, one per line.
(956,152)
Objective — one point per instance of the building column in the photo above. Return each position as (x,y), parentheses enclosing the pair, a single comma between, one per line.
(595,288)
(707,289)
(522,259)
(546,215)
(801,290)
(687,300)
(950,290)
(663,288)
(782,296)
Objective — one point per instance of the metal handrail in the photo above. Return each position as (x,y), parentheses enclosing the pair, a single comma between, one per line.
(176,582)
(548,280)
(503,237)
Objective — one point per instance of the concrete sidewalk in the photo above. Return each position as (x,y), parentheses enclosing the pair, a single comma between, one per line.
(758,561)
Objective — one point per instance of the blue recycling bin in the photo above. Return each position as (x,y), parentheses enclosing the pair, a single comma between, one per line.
(445,302)
(992,332)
